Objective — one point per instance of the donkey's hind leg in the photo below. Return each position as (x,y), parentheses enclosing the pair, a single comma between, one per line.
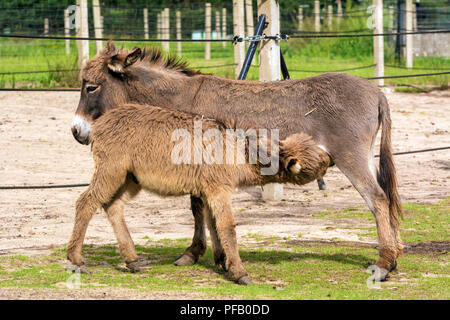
(363,179)
(198,246)
(114,212)
(104,185)
(321,184)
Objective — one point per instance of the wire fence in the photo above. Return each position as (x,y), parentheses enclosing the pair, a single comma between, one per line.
(24,25)
(23,38)
(78,185)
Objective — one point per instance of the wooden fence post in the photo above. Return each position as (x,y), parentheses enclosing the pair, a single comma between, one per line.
(317,15)
(46,26)
(391,19)
(378,42)
(166,29)
(330,16)
(409,37)
(178,16)
(339,10)
(238,29)
(67,30)
(78,30)
(300,19)
(97,24)
(145,23)
(83,45)
(249,16)
(84,31)
(269,70)
(224,26)
(207,31)
(158,25)
(414,17)
(218,36)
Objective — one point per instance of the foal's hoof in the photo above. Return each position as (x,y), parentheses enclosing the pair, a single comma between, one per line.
(185,260)
(78,269)
(380,274)
(393,266)
(134,266)
(245,280)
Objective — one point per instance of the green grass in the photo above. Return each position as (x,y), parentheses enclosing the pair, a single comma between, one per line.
(280,269)
(422,222)
(316,55)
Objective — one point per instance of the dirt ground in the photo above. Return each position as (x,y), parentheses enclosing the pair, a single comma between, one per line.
(37,148)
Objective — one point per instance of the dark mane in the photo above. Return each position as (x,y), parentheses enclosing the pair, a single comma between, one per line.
(155,56)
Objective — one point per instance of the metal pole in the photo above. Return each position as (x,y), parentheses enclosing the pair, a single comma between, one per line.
(252,48)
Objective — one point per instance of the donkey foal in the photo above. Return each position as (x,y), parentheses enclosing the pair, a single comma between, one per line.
(132,147)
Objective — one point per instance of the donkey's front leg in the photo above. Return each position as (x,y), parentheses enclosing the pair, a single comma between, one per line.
(219,206)
(198,246)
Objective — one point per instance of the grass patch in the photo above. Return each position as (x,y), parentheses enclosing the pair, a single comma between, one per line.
(304,58)
(294,272)
(280,269)
(422,222)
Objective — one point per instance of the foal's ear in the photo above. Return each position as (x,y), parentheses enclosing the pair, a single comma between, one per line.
(110,47)
(293,166)
(121,60)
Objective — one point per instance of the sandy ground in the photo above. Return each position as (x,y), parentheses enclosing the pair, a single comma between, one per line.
(104,293)
(37,148)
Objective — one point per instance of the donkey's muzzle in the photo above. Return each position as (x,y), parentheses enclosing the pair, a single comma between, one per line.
(81,130)
(76,135)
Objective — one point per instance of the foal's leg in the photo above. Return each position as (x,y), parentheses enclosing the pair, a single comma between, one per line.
(86,206)
(220,212)
(198,246)
(104,185)
(218,252)
(114,212)
(363,180)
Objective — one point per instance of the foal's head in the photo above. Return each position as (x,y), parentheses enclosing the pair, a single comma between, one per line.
(302,160)
(118,76)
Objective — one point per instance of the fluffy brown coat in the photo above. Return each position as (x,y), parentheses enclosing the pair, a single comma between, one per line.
(134,142)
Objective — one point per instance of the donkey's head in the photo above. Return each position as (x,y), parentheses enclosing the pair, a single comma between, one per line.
(118,76)
(302,160)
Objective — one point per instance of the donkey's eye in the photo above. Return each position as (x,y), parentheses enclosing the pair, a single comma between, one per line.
(90,89)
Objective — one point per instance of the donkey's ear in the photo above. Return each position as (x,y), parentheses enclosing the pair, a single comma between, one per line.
(120,61)
(132,56)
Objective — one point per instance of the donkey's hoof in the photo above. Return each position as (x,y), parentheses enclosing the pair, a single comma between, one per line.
(78,269)
(185,260)
(321,184)
(245,280)
(219,260)
(380,274)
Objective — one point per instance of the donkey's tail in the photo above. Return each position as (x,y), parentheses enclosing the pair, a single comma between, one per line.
(387,176)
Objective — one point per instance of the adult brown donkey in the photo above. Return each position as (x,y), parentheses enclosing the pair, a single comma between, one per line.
(341,112)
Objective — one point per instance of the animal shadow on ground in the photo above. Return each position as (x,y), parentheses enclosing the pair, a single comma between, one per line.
(165,255)
(108,256)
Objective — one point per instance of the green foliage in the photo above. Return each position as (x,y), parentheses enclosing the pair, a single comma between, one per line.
(123,19)
(351,47)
